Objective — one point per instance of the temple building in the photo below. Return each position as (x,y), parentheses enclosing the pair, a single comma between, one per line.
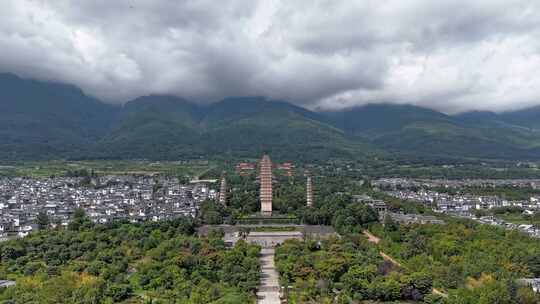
(266,185)
(286,168)
(244,168)
(223,191)
(309,192)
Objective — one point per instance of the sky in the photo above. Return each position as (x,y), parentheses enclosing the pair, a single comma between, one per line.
(448,55)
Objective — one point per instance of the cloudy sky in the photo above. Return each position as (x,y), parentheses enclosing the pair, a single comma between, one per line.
(450,55)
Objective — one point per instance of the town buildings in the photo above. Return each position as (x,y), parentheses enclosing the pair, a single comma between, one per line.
(462,204)
(104,199)
(533,283)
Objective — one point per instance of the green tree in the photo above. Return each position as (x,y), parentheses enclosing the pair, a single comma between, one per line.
(42,221)
(79,220)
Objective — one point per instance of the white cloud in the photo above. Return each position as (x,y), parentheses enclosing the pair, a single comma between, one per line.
(448,55)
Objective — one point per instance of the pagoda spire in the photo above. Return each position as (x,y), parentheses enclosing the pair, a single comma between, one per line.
(266,185)
(223,190)
(309,191)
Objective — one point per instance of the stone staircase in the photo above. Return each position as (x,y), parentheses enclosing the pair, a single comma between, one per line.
(268,290)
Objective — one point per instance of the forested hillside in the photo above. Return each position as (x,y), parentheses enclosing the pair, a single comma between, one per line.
(411,130)
(46,120)
(41,120)
(351,265)
(473,263)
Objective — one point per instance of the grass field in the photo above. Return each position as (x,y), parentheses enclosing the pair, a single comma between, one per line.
(518,219)
(104,167)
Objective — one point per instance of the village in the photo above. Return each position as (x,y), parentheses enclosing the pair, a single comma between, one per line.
(408,183)
(104,199)
(463,204)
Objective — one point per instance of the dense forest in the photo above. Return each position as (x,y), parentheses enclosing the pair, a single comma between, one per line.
(474,263)
(128,263)
(350,268)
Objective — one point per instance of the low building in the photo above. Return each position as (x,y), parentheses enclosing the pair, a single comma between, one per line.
(244,168)
(532,283)
(379,206)
(6,283)
(414,218)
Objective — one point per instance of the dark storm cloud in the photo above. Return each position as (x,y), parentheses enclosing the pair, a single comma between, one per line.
(448,55)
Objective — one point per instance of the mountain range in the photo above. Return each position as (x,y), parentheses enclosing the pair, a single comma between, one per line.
(42,120)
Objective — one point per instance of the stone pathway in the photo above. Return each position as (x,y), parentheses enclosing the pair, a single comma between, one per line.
(371,238)
(268,291)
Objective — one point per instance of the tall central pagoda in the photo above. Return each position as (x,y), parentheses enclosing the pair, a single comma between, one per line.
(266,186)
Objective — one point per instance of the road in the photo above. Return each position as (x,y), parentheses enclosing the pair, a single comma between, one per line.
(375,240)
(268,290)
(371,238)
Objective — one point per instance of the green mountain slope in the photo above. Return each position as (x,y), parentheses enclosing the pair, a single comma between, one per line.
(448,140)
(422,132)
(527,118)
(372,120)
(251,126)
(170,128)
(157,127)
(41,120)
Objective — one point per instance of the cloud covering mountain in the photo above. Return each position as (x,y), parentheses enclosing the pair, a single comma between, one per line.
(449,55)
